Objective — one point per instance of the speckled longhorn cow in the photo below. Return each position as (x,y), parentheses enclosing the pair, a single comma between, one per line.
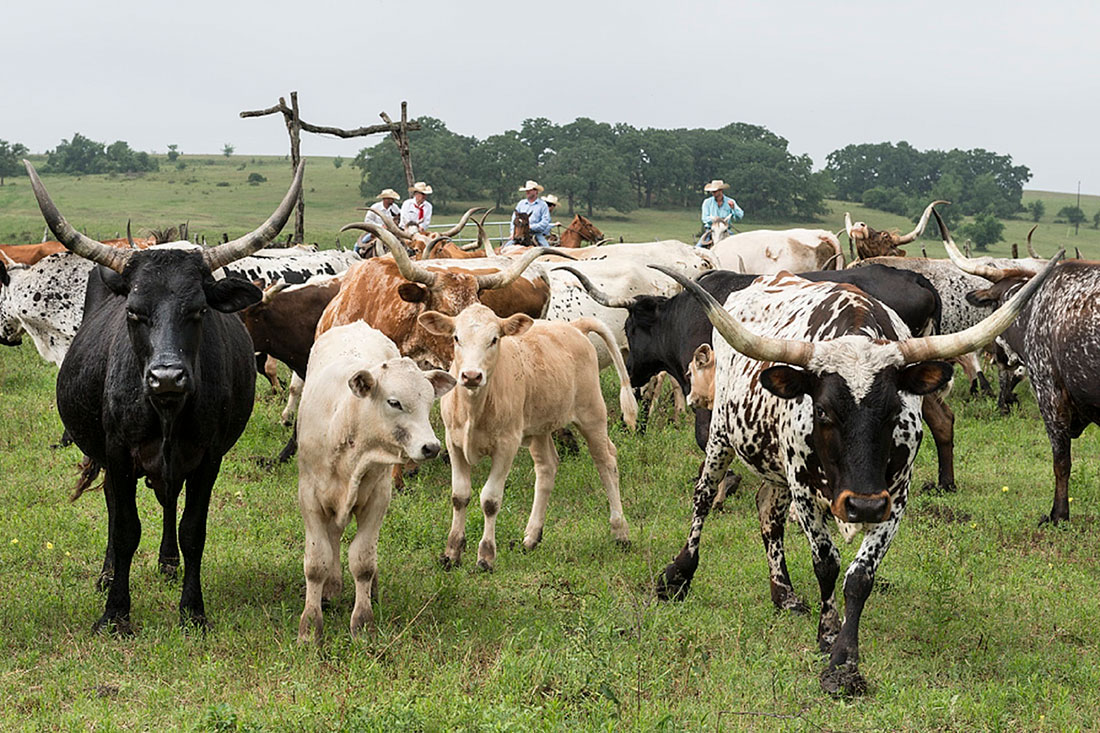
(848,450)
(1057,338)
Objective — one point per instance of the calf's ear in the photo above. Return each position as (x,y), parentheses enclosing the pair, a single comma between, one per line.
(786,381)
(517,324)
(925,377)
(436,323)
(361,383)
(441,381)
(703,356)
(231,294)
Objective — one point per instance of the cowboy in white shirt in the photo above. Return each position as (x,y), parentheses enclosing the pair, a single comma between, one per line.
(416,212)
(385,206)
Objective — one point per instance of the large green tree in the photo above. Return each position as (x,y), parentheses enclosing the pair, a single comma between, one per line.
(83,155)
(501,163)
(11,159)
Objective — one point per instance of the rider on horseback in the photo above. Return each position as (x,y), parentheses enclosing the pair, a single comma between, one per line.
(717,206)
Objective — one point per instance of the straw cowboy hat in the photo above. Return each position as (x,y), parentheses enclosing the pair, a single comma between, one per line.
(532,184)
(715,185)
(550,199)
(421,187)
(389,193)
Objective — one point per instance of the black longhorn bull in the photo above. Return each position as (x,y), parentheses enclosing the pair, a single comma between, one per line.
(159,381)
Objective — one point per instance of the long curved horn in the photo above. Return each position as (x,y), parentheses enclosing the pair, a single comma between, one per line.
(598,295)
(409,269)
(829,263)
(1031,250)
(931,348)
(848,225)
(73,240)
(393,229)
(433,244)
(964,263)
(920,224)
(482,236)
(602,242)
(223,254)
(129,237)
(762,348)
(461,222)
(505,277)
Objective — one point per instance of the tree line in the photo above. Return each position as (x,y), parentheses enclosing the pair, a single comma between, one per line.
(591,165)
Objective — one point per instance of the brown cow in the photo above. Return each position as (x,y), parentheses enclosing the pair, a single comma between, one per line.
(521,380)
(872,243)
(389,294)
(28,254)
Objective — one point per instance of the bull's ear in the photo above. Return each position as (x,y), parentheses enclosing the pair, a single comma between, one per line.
(925,377)
(436,323)
(983,298)
(115,282)
(703,356)
(644,310)
(441,381)
(230,294)
(412,292)
(517,324)
(361,383)
(786,381)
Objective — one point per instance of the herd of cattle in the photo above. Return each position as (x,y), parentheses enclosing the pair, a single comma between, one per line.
(158,348)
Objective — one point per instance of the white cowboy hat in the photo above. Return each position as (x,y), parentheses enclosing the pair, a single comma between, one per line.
(532,184)
(716,185)
(550,199)
(421,187)
(389,193)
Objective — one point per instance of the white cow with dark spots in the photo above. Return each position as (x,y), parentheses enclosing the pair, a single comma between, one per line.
(818,392)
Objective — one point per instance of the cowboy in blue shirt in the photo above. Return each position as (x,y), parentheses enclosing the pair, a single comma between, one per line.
(539,223)
(718,206)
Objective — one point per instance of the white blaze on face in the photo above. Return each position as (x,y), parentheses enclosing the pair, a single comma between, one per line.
(856,359)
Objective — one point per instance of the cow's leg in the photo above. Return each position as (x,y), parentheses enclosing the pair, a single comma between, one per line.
(271,372)
(545,456)
(702,427)
(814,521)
(120,486)
(193,540)
(294,395)
(973,369)
(773,503)
(316,564)
(460,498)
(1006,396)
(841,676)
(168,559)
(107,573)
(363,555)
(675,581)
(605,456)
(334,582)
(492,495)
(941,422)
(1060,446)
(679,404)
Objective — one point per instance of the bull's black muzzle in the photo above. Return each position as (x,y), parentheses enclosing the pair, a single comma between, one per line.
(164,380)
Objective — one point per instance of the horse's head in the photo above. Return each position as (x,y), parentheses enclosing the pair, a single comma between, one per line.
(521,228)
(586,229)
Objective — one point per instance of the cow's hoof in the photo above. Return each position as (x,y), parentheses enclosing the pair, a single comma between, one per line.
(672,585)
(1051,519)
(622,543)
(485,566)
(843,681)
(448,563)
(933,488)
(794,604)
(197,621)
(118,625)
(169,568)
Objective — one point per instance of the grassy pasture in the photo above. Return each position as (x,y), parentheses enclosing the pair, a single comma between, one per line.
(980,620)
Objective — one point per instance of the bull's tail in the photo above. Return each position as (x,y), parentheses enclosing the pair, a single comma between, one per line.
(89,472)
(627,403)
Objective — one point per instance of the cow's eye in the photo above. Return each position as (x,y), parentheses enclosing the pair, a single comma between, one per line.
(394,404)
(456,339)
(821,416)
(137,317)
(493,342)
(197,315)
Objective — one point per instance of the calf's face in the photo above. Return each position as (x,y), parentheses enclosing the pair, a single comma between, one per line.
(476,333)
(396,398)
(701,372)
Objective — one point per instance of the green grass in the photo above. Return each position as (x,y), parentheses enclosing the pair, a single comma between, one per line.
(984,621)
(213,194)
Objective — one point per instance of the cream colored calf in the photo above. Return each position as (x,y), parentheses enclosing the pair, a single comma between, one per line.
(701,373)
(364,408)
(520,380)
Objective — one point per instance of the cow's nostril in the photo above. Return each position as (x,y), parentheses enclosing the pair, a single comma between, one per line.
(867,508)
(431,450)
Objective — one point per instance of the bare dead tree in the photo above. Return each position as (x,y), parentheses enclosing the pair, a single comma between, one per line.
(295,124)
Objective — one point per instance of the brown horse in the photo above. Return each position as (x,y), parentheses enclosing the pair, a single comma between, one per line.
(580,230)
(521,230)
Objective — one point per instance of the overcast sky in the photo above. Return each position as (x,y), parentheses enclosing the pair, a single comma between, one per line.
(1015,78)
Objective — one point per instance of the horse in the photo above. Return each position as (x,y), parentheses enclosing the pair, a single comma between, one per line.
(579,230)
(521,230)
